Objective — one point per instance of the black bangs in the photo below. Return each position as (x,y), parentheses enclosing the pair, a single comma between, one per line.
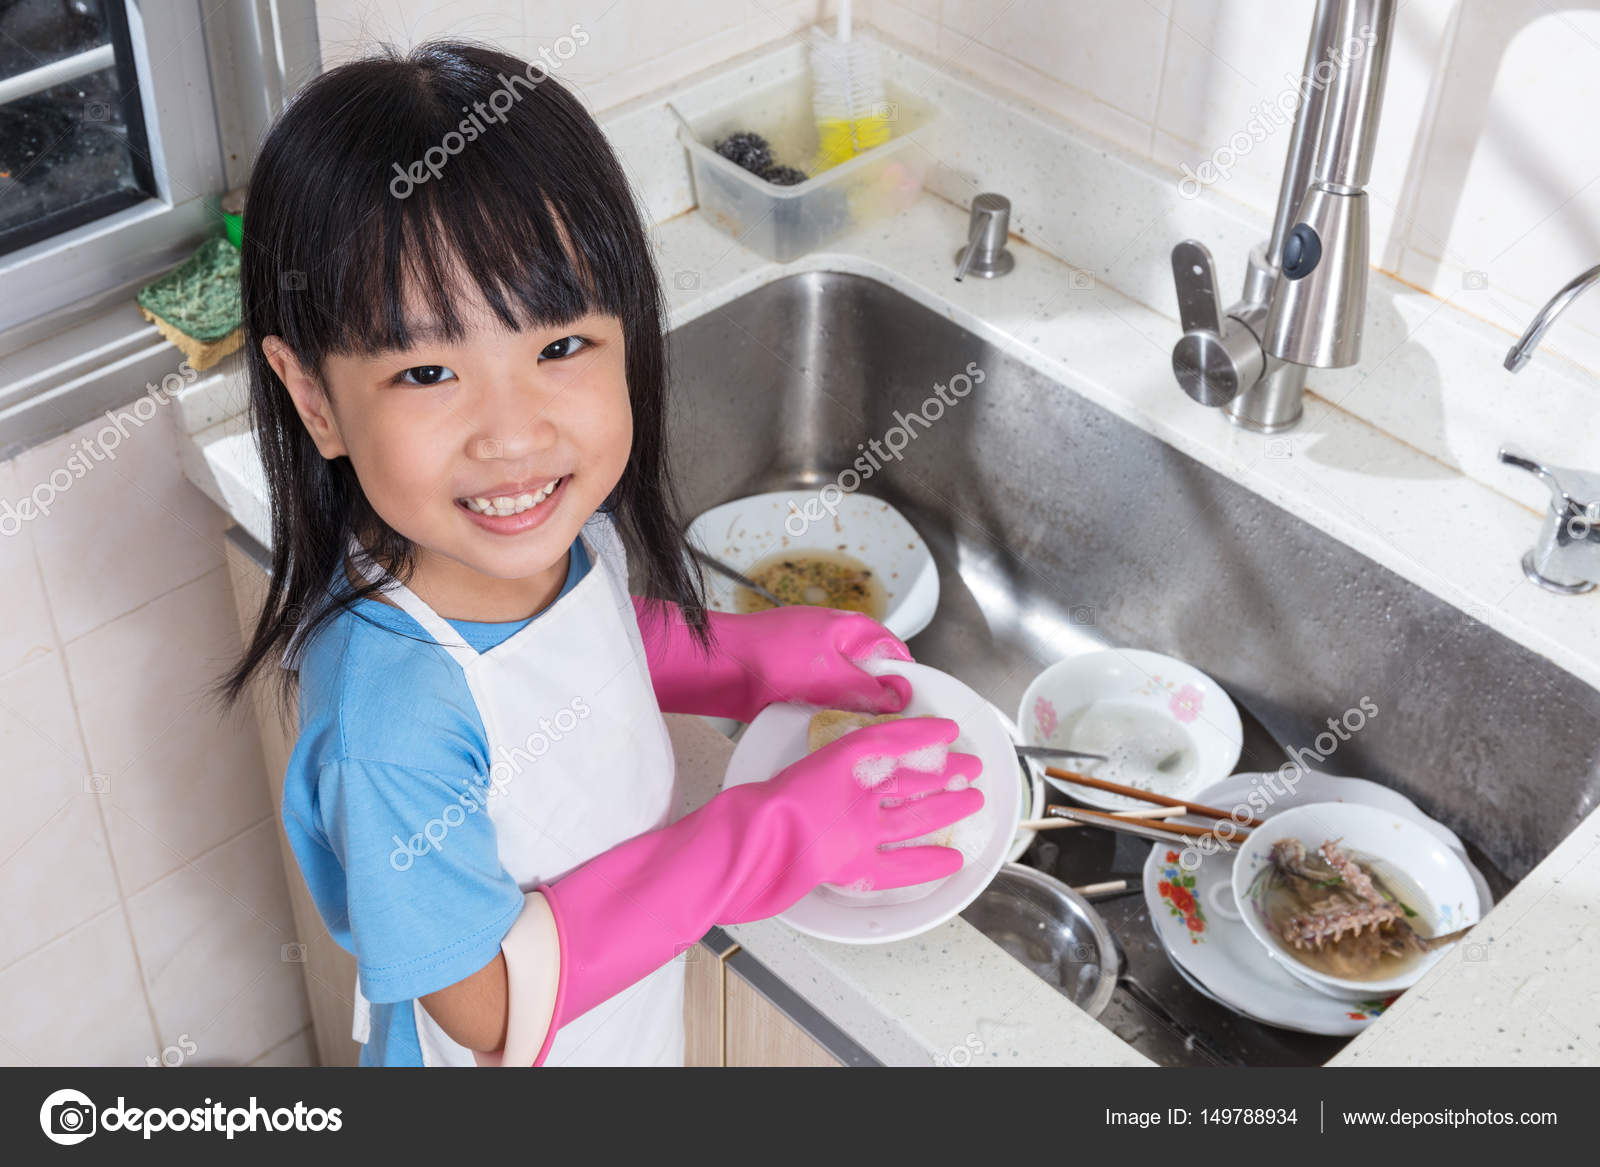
(443,182)
(435,192)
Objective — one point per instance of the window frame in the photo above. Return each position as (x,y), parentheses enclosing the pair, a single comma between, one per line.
(212,75)
(119,47)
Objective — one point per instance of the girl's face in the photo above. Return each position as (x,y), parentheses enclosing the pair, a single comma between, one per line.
(488,454)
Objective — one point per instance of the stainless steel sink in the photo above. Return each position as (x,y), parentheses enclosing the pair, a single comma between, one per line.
(1058,526)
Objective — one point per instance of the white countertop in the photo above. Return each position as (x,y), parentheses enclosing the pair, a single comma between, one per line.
(1417,495)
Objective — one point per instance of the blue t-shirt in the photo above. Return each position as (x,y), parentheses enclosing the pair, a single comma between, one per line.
(390,739)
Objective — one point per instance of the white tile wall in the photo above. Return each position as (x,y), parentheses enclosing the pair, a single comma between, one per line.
(1485,188)
(218,950)
(144,898)
(632,46)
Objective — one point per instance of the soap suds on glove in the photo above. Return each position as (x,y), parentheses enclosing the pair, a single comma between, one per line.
(927,759)
(969,835)
(873,769)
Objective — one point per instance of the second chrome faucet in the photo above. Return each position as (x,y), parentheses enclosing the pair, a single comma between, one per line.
(1566,556)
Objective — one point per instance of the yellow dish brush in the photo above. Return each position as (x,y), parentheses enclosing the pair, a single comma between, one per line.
(847,97)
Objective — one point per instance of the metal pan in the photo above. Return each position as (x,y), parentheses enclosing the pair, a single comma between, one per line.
(1053,931)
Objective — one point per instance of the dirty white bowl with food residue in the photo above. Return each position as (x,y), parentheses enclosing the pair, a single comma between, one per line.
(1163,725)
(1346,930)
(821,547)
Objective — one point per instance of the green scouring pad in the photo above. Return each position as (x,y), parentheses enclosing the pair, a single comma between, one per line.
(196,304)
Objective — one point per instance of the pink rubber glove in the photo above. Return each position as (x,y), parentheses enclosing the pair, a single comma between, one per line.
(795,653)
(754,850)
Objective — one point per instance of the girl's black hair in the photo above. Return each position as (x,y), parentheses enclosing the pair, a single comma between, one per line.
(526,198)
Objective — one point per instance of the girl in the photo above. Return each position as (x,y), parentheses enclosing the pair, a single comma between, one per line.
(458,388)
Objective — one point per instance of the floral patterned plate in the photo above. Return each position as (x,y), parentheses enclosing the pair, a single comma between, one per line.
(1200,926)
(1166,726)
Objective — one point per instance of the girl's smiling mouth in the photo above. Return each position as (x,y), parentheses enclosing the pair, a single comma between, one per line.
(511,508)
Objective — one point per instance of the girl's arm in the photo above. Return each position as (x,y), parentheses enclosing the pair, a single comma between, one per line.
(747,854)
(505,1012)
(473,1011)
(796,653)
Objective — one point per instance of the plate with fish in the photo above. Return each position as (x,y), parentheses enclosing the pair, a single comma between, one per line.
(1353,900)
(854,552)
(781,734)
(1202,928)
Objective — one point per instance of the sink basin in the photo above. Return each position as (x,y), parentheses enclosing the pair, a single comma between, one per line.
(1058,528)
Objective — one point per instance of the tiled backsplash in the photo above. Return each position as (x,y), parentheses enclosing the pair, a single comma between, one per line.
(146,911)
(1483,188)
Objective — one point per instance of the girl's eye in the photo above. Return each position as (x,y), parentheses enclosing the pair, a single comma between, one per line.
(425,375)
(563,348)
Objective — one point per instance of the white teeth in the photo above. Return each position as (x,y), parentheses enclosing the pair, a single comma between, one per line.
(509,505)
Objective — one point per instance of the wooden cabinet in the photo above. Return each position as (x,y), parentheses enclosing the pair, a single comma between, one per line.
(330,971)
(729,1022)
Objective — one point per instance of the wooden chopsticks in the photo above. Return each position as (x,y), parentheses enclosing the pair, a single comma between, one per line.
(1173,828)
(1198,809)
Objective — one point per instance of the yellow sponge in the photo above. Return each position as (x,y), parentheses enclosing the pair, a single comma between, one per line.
(196,305)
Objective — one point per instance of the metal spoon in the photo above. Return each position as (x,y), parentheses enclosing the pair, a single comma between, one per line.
(737,577)
(1052,752)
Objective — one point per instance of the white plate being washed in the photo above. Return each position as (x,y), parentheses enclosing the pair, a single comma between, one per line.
(777,738)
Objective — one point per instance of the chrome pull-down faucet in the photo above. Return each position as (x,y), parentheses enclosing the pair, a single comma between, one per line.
(1305,289)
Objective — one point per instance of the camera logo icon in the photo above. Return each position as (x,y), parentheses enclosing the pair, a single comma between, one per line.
(67,1117)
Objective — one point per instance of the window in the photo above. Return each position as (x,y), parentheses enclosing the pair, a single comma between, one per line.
(122,124)
(72,140)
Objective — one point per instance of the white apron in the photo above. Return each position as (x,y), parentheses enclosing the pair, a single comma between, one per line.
(580,761)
